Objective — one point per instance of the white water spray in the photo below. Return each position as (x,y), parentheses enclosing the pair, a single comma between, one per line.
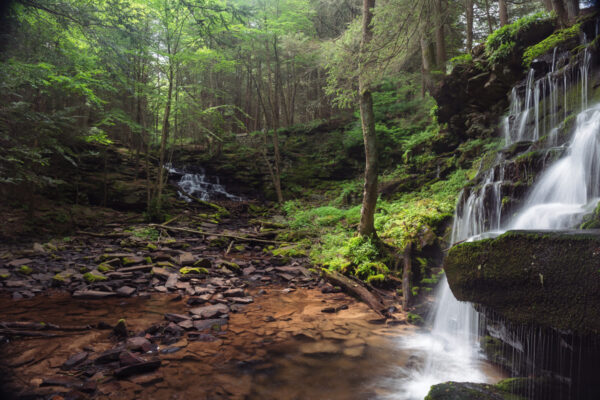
(201,186)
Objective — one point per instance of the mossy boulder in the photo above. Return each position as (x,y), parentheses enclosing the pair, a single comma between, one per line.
(550,279)
(469,391)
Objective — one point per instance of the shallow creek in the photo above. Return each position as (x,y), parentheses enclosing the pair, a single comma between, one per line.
(280,347)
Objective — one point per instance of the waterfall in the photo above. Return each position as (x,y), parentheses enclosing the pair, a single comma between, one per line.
(570,188)
(201,186)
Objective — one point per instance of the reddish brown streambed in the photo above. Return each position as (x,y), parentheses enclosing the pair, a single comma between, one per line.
(280,347)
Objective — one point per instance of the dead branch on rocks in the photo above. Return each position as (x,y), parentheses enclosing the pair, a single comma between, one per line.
(356,289)
(247,238)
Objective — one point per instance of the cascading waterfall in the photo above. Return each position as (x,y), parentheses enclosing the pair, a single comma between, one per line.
(561,196)
(200,185)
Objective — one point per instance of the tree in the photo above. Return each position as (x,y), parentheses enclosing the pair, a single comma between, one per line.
(369,202)
(469,27)
(560,11)
(503,12)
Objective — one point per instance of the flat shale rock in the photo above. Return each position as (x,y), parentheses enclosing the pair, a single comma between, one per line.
(75,360)
(213,324)
(207,312)
(125,291)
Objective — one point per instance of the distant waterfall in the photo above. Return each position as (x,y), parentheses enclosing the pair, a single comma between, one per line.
(201,186)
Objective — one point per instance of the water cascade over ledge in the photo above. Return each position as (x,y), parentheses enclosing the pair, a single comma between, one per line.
(567,189)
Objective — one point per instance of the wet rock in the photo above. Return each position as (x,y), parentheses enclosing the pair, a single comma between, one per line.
(248,271)
(186,258)
(92,294)
(171,350)
(176,317)
(212,324)
(39,249)
(4,273)
(171,281)
(242,300)
(187,324)
(127,358)
(132,260)
(201,337)
(125,291)
(237,292)
(136,268)
(15,284)
(75,360)
(328,310)
(161,289)
(160,272)
(137,343)
(207,312)
(319,349)
(17,296)
(19,262)
(108,356)
(135,369)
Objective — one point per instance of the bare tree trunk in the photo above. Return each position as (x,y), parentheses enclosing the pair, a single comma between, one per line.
(425,62)
(163,141)
(559,8)
(406,274)
(274,102)
(469,12)
(547,4)
(369,203)
(503,11)
(572,9)
(440,39)
(489,17)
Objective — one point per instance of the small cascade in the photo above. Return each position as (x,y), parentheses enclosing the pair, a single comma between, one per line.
(201,186)
(533,114)
(570,187)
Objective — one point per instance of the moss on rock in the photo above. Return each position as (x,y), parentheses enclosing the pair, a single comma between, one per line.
(551,279)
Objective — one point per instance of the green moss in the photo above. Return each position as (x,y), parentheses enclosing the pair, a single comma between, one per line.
(414,319)
(4,276)
(555,40)
(152,247)
(25,270)
(62,276)
(501,43)
(105,268)
(165,264)
(375,279)
(91,277)
(193,270)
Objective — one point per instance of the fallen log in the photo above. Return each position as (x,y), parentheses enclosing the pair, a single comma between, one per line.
(105,235)
(356,289)
(246,238)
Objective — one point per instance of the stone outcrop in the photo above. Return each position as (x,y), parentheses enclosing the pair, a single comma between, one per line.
(550,279)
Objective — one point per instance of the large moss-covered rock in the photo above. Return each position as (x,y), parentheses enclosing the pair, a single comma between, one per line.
(550,279)
(469,391)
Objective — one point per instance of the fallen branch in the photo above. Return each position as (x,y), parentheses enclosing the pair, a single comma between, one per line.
(171,220)
(355,289)
(11,332)
(247,238)
(105,235)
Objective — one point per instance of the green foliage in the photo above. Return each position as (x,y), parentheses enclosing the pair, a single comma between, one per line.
(556,39)
(462,59)
(146,233)
(501,43)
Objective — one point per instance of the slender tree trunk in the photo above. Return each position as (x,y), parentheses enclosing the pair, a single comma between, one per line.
(406,277)
(547,4)
(369,203)
(572,9)
(560,11)
(425,61)
(440,37)
(503,11)
(489,17)
(163,141)
(469,12)
(274,102)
